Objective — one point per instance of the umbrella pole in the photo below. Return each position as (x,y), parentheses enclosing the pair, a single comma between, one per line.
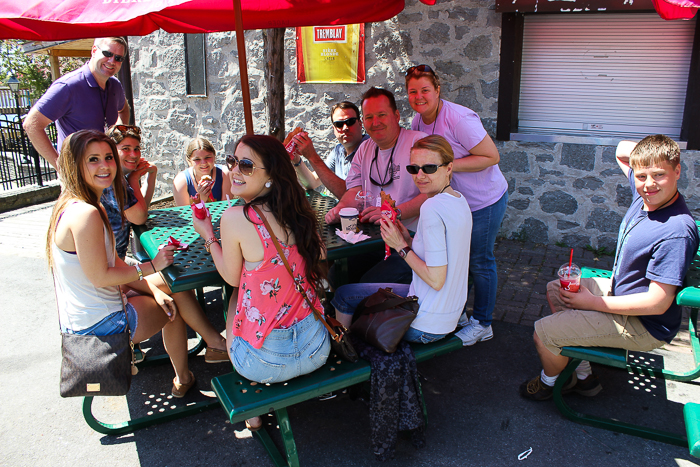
(243,67)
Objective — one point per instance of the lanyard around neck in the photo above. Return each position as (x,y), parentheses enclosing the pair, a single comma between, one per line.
(388,176)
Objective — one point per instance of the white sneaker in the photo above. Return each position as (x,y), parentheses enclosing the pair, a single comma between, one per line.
(463,320)
(474,332)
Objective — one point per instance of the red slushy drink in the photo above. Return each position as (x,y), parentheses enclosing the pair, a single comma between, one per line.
(570,277)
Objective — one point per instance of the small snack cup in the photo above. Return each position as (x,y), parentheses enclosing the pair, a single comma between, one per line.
(348,219)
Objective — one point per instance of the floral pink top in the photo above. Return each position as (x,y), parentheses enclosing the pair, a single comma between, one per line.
(267,298)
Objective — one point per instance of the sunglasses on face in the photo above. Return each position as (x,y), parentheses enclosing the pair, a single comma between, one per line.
(427,169)
(419,69)
(246,166)
(339,124)
(108,54)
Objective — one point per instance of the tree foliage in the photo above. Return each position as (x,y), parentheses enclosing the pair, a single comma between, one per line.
(33,71)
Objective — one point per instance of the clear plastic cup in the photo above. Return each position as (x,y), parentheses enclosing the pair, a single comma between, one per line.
(364,200)
(570,279)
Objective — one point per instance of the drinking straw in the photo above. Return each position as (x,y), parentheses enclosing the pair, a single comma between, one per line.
(571,257)
(364,198)
(229,200)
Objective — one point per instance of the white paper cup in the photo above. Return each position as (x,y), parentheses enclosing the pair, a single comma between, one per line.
(348,219)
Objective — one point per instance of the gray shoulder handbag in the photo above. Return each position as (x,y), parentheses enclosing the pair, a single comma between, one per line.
(97,365)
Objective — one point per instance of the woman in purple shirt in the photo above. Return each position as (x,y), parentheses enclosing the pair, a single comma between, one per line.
(477,177)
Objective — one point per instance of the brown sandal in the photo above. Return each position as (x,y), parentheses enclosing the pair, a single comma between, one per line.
(216,356)
(179,389)
(254,424)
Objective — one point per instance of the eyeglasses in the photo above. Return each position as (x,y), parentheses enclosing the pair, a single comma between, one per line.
(427,169)
(419,69)
(126,129)
(339,124)
(246,166)
(117,58)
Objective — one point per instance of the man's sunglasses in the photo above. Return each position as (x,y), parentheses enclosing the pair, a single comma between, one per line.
(246,166)
(339,124)
(427,169)
(117,58)
(419,69)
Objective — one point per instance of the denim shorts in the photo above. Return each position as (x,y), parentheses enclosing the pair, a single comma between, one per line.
(112,324)
(285,354)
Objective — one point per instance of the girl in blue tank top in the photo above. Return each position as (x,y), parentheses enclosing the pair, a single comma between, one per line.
(203,177)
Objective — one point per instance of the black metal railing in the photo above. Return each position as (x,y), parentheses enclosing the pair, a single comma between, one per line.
(20,164)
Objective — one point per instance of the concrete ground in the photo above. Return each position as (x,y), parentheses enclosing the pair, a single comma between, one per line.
(476,417)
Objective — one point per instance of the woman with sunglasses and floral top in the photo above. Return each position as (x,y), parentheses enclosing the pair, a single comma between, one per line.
(438,254)
(203,177)
(477,177)
(271,332)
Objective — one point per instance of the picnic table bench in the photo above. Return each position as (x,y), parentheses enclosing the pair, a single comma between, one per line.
(620,358)
(243,399)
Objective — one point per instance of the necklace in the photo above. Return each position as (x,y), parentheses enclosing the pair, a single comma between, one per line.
(668,202)
(626,231)
(446,187)
(437,114)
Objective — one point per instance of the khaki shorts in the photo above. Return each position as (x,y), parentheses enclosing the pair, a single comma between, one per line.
(585,328)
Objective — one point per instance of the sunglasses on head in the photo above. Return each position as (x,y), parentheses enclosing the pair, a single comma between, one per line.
(339,124)
(127,129)
(427,169)
(108,54)
(419,69)
(246,166)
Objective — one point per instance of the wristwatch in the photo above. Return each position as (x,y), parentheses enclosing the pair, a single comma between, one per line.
(298,163)
(398,213)
(209,243)
(404,251)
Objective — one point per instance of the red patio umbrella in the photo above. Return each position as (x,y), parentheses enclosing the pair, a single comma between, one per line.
(676,9)
(53,20)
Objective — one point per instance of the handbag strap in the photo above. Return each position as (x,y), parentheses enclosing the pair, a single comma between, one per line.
(337,337)
(121,297)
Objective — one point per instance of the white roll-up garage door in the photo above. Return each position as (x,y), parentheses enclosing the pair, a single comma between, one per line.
(604,75)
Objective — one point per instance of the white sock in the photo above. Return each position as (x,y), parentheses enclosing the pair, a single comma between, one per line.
(583,369)
(548,380)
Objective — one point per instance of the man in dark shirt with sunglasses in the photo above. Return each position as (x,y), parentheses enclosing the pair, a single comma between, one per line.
(345,118)
(89,98)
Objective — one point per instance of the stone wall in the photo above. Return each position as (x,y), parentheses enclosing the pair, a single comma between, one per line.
(573,194)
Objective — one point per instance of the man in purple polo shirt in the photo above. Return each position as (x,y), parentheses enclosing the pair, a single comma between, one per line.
(89,98)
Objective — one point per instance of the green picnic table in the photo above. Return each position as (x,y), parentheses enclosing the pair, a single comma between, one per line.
(194,269)
(620,358)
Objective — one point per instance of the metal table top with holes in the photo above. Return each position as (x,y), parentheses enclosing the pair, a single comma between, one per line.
(194,268)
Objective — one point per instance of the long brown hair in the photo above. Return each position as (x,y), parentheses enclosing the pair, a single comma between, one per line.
(287,202)
(70,165)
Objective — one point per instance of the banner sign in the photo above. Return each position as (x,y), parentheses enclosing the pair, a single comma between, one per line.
(331,54)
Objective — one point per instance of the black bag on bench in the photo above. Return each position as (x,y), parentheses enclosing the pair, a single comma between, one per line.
(383,318)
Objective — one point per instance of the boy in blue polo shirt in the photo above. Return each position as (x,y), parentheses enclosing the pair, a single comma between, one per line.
(636,309)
